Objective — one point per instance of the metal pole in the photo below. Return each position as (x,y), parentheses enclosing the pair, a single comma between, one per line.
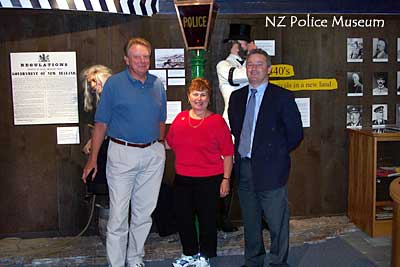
(198,63)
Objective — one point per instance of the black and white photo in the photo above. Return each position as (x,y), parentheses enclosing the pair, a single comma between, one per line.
(398,49)
(354,84)
(398,114)
(173,58)
(398,83)
(354,116)
(379,115)
(379,50)
(355,50)
(379,83)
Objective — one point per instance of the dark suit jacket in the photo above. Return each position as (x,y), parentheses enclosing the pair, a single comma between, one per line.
(278,131)
(379,122)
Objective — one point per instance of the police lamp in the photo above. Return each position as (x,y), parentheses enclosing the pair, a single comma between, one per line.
(195,21)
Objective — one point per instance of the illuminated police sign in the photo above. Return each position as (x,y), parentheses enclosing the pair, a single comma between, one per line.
(194,19)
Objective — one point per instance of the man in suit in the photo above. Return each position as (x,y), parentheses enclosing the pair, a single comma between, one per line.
(266,124)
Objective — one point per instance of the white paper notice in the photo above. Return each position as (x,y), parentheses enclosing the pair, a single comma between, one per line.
(266,45)
(44,88)
(304,107)
(67,135)
(173,109)
(176,81)
(176,73)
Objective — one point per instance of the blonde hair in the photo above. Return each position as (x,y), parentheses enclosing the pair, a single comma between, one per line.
(101,74)
(137,41)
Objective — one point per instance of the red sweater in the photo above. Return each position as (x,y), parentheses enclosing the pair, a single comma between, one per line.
(200,145)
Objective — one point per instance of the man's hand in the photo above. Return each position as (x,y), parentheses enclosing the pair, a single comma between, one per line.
(251,46)
(90,168)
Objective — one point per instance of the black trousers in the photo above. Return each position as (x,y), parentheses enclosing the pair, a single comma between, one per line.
(99,185)
(197,196)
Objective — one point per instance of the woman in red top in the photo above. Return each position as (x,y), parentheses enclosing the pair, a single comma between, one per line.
(203,149)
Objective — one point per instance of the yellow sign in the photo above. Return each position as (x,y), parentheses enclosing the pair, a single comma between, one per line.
(281,70)
(307,84)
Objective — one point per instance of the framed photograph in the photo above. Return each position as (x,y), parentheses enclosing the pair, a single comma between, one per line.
(398,114)
(379,83)
(355,85)
(379,115)
(354,116)
(169,58)
(398,83)
(379,50)
(398,49)
(355,51)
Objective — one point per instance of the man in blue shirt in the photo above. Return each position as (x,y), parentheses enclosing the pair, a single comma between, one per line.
(132,112)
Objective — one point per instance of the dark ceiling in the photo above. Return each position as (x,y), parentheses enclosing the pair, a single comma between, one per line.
(295,6)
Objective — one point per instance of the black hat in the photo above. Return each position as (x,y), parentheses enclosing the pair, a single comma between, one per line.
(378,109)
(239,32)
(353,109)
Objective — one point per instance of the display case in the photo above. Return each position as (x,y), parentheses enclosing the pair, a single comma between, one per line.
(371,153)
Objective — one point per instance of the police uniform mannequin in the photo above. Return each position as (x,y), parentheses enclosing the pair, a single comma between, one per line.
(232,76)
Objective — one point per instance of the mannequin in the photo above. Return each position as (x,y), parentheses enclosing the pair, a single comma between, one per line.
(232,70)
(93,79)
(232,76)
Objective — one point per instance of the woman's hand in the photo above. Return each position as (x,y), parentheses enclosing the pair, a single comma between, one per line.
(224,188)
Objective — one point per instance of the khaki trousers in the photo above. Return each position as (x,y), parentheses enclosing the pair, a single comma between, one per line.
(134,177)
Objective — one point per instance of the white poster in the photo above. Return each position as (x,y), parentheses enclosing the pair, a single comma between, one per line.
(173,109)
(176,73)
(303,104)
(176,81)
(266,45)
(67,135)
(44,86)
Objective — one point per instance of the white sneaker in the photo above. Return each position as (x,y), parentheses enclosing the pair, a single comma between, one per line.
(185,261)
(202,262)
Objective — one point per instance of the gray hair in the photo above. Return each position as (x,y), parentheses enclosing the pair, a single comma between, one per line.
(101,74)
